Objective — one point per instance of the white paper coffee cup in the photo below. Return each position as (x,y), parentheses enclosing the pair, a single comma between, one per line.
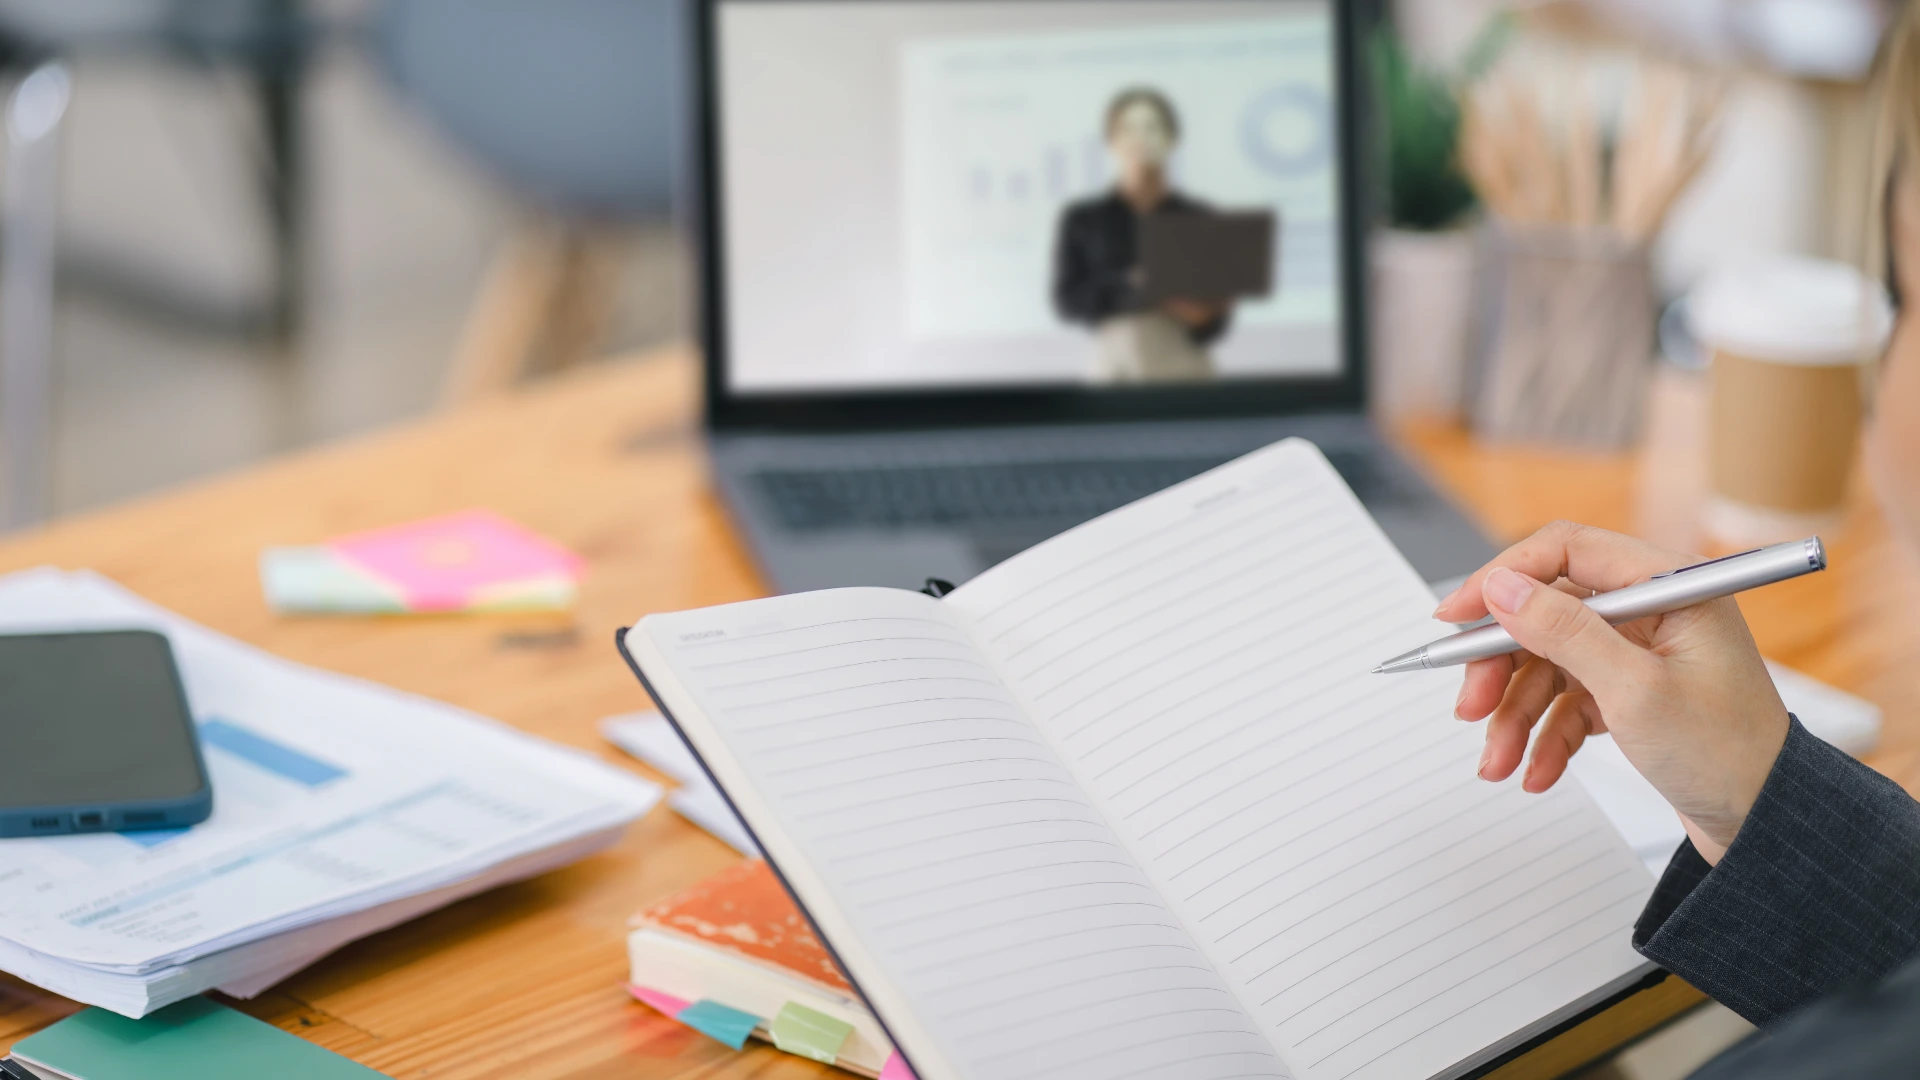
(1791,339)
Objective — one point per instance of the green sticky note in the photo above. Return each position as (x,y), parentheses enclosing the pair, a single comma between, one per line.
(800,1030)
(717,1021)
(192,1040)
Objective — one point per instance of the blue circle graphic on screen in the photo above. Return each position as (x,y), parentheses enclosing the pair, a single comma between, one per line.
(1287,130)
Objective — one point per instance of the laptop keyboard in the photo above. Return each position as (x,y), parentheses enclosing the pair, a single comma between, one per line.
(1009,493)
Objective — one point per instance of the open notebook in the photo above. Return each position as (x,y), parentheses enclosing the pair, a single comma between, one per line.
(1130,805)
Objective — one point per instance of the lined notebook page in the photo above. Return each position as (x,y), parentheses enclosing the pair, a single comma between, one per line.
(958,853)
(1201,659)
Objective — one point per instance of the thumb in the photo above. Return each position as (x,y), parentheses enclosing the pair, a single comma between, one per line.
(1549,623)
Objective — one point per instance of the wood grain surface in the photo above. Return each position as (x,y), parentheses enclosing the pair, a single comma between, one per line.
(524,981)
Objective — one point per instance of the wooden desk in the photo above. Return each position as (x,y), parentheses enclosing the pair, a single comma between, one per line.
(524,981)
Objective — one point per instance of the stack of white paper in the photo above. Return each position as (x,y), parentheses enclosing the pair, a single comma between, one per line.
(340,808)
(648,736)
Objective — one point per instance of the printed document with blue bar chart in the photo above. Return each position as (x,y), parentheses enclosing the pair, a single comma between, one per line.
(334,799)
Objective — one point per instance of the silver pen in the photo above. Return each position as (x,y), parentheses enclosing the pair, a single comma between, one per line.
(1659,595)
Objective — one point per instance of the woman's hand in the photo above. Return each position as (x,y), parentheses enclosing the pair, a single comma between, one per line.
(1685,695)
(1192,314)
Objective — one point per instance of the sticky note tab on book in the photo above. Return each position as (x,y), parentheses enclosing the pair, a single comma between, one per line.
(664,1002)
(719,1022)
(710,1018)
(809,1034)
(896,1068)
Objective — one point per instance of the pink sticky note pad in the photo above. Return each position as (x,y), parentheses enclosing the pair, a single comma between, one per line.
(896,1069)
(666,1003)
(440,563)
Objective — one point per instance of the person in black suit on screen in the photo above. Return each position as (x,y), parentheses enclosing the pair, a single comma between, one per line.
(1096,268)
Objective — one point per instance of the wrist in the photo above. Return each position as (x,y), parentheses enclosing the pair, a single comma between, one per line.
(1709,849)
(1751,763)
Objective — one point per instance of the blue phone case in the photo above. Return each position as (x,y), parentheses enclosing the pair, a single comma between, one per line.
(118,816)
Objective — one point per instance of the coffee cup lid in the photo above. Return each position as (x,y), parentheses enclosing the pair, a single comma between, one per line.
(1792,310)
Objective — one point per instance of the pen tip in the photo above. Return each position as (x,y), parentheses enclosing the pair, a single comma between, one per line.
(1379,669)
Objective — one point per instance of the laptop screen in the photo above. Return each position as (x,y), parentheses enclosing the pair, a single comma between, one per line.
(955,194)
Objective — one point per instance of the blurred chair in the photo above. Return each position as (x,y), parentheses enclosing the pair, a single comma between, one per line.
(35,113)
(577,107)
(269,39)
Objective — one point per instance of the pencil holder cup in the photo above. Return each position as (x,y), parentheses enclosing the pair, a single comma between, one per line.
(1423,309)
(1567,336)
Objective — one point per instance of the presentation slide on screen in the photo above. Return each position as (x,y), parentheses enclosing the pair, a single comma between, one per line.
(1037,193)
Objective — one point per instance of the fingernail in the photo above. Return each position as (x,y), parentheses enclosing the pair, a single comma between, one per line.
(1484,756)
(1447,600)
(1507,590)
(1457,700)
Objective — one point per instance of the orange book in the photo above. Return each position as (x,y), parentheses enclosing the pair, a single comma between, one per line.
(745,912)
(737,939)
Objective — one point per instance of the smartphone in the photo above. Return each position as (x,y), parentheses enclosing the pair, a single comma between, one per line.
(96,736)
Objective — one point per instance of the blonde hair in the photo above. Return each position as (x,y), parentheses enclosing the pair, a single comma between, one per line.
(1896,144)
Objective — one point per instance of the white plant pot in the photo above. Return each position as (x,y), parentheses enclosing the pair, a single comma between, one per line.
(1421,321)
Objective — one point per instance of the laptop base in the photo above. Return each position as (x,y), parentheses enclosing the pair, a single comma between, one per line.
(829,510)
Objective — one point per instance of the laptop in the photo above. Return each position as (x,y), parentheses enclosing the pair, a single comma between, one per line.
(1217,256)
(926,343)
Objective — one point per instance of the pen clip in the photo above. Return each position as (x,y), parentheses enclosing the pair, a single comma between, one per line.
(1698,565)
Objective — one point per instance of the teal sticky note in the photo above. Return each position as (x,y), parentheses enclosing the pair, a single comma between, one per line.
(717,1021)
(809,1033)
(303,579)
(192,1040)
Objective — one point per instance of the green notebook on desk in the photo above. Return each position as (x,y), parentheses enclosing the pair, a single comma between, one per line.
(193,1040)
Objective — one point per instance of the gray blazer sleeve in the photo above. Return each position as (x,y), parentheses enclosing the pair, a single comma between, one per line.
(1819,893)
